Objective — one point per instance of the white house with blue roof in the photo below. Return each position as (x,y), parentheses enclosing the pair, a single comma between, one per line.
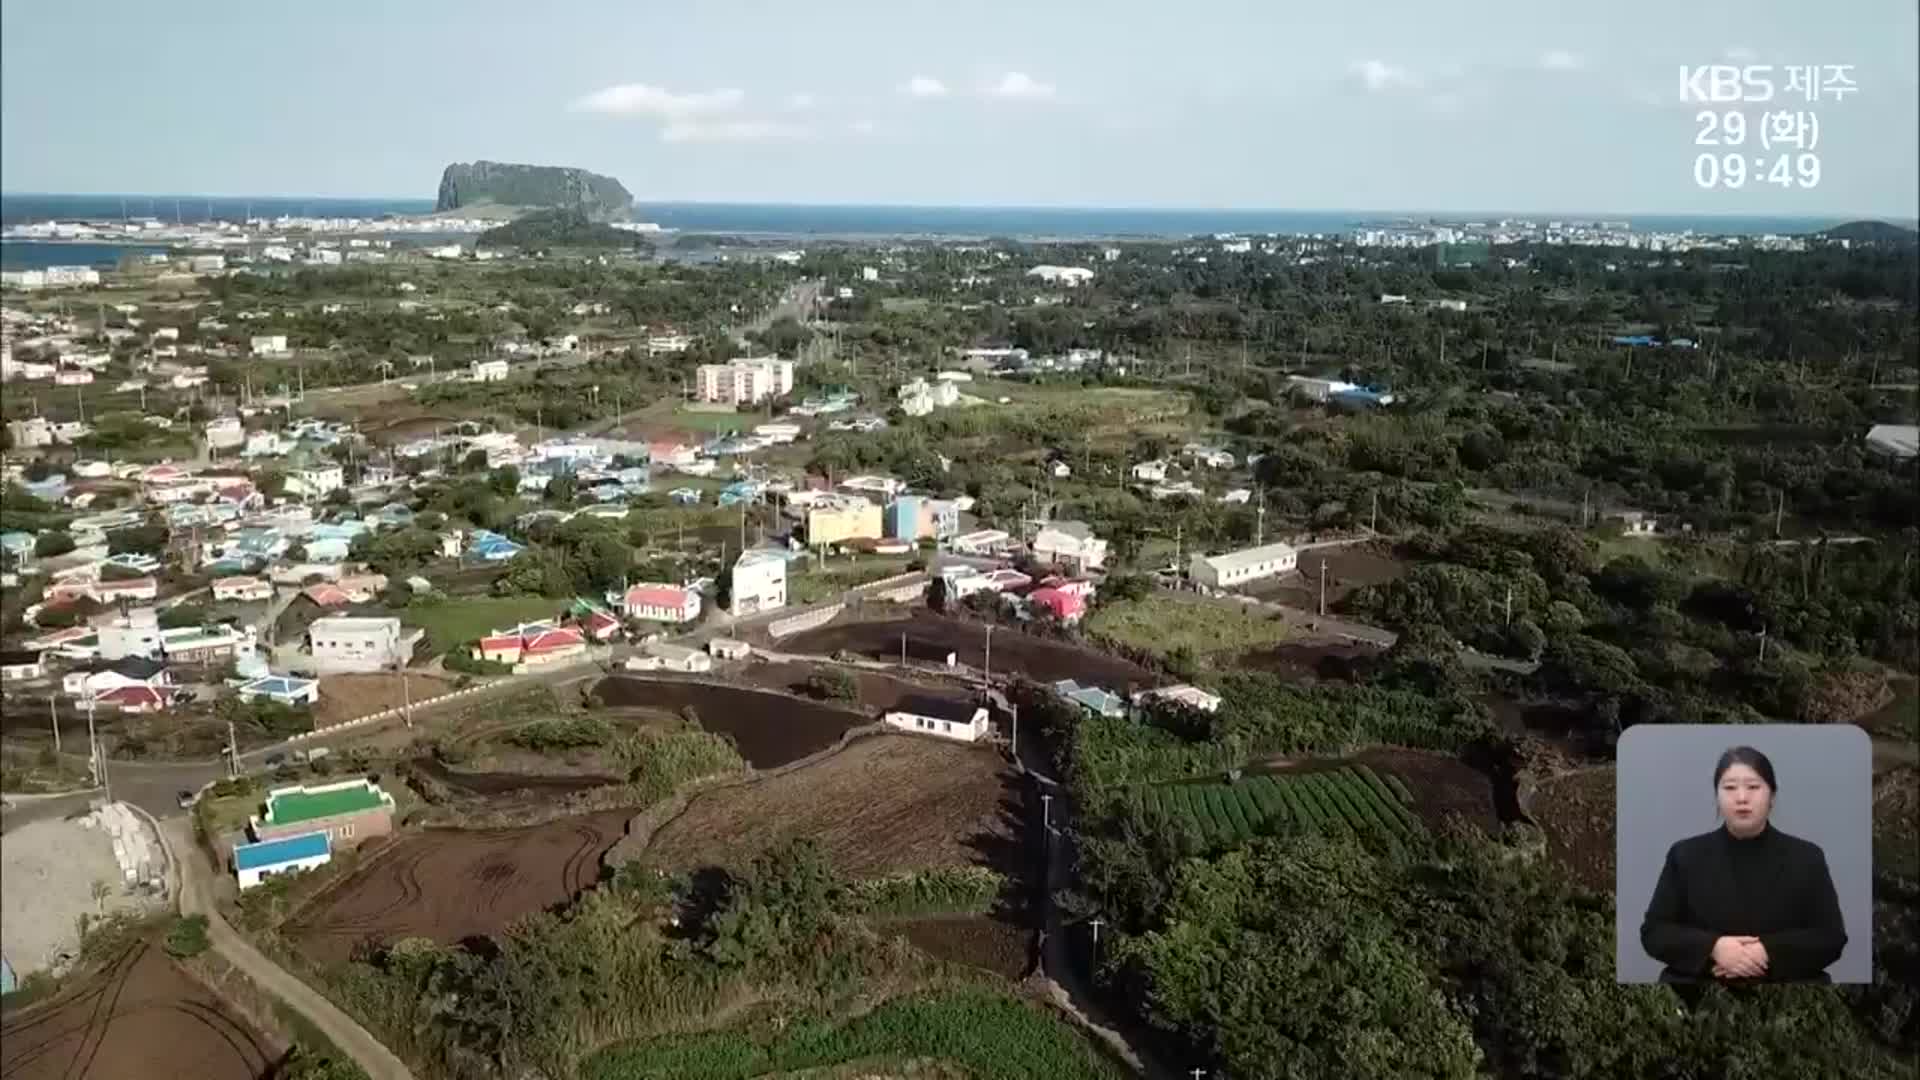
(254,863)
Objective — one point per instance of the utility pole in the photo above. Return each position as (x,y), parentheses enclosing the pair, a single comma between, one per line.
(1260,520)
(989,660)
(1046,812)
(1016,729)
(53,716)
(1373,518)
(1763,644)
(1096,922)
(1509,605)
(233,753)
(1779,511)
(903,650)
(1585,496)
(1323,588)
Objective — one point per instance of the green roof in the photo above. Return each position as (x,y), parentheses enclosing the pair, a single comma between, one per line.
(294,807)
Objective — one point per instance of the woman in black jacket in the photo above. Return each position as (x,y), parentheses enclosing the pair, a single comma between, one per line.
(1745,903)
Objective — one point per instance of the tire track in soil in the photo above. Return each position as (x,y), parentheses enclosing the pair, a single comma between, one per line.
(112,975)
(96,1027)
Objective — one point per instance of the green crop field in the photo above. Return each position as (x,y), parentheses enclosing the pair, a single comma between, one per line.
(1353,799)
(972,1032)
(453,622)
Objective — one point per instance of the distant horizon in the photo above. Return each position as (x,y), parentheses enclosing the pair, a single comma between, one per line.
(1086,208)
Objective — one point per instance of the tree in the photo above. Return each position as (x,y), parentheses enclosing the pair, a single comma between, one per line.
(833,684)
(52,543)
(140,539)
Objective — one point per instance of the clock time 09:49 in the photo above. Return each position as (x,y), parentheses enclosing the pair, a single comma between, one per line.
(1734,171)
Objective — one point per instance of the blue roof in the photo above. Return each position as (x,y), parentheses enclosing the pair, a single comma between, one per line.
(279,852)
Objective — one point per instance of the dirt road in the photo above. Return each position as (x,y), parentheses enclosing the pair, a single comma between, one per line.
(195,892)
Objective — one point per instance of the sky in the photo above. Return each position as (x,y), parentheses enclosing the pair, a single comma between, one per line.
(1471,105)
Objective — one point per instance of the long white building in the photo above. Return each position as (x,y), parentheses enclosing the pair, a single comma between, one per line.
(745,381)
(1241,567)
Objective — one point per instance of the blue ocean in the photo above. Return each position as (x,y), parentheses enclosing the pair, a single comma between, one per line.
(779,220)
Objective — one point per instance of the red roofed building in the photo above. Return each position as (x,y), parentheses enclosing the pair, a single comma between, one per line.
(133,699)
(532,645)
(661,603)
(327,594)
(1066,606)
(599,625)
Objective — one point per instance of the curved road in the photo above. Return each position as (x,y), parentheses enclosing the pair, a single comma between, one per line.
(195,891)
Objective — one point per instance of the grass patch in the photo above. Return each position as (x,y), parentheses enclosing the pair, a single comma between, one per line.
(833,579)
(984,1034)
(455,622)
(1160,623)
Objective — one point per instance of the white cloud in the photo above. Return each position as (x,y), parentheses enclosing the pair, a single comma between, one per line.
(1559,60)
(924,86)
(862,127)
(801,102)
(1019,86)
(693,130)
(1378,75)
(639,99)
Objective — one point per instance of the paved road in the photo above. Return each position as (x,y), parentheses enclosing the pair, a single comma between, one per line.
(195,891)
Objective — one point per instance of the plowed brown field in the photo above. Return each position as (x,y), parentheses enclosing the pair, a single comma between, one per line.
(452,884)
(139,1017)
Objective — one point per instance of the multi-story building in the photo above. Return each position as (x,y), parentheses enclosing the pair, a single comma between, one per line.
(344,643)
(745,381)
(1070,544)
(836,520)
(759,582)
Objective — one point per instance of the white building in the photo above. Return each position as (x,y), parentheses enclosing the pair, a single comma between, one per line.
(957,720)
(207,264)
(488,371)
(137,633)
(1185,694)
(317,483)
(1069,276)
(269,345)
(225,432)
(254,863)
(31,433)
(661,603)
(663,342)
(759,582)
(344,643)
(918,398)
(1240,567)
(1071,544)
(1319,389)
(745,382)
(1900,442)
(1151,472)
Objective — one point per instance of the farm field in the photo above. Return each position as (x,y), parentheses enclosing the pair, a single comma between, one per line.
(878,692)
(970,1033)
(139,1017)
(347,697)
(885,804)
(453,622)
(809,586)
(769,729)
(1443,786)
(450,884)
(995,943)
(1576,811)
(1308,662)
(931,637)
(1162,622)
(1348,570)
(1353,799)
(1896,810)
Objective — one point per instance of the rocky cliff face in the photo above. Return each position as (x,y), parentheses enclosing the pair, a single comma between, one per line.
(492,182)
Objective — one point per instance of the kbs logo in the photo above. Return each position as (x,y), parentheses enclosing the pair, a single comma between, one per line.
(1726,82)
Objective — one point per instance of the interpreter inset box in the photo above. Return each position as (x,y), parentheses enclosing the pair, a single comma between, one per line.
(1744,854)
